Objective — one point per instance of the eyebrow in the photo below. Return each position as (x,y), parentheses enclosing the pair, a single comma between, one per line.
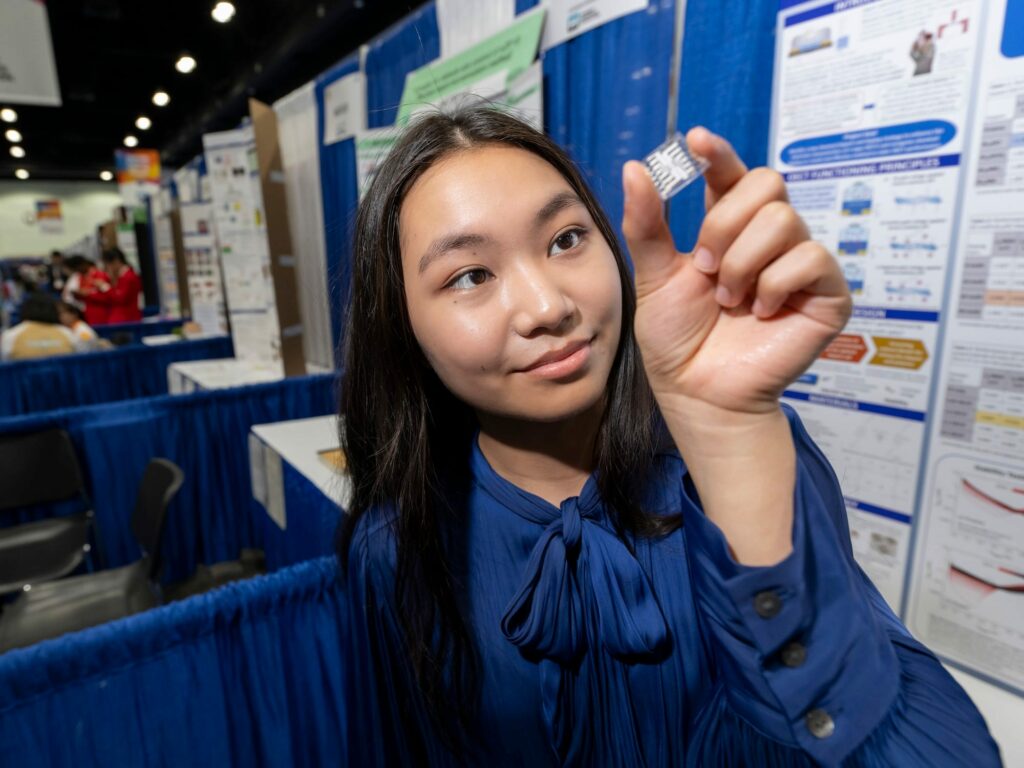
(455,242)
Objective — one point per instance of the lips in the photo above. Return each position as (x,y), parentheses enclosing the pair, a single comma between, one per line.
(558,354)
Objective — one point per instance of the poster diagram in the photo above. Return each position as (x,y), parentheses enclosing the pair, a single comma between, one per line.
(869,115)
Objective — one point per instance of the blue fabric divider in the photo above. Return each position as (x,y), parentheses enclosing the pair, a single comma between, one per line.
(252,674)
(136,331)
(312,518)
(33,386)
(206,434)
(339,193)
(606,96)
(725,84)
(408,45)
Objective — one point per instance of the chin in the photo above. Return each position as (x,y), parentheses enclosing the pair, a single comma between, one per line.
(553,402)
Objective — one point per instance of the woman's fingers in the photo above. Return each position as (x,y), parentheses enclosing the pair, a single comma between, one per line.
(733,212)
(774,229)
(647,234)
(807,268)
(725,168)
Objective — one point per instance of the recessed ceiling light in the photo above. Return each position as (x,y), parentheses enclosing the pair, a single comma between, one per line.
(161,98)
(106,176)
(185,64)
(143,123)
(21,173)
(8,115)
(17,151)
(12,135)
(223,12)
(130,141)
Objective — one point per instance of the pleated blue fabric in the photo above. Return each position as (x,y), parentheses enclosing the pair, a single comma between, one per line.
(603,649)
(34,386)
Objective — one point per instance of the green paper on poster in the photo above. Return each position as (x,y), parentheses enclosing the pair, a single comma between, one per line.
(511,50)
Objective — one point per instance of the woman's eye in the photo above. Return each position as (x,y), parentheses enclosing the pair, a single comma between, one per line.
(470,279)
(567,241)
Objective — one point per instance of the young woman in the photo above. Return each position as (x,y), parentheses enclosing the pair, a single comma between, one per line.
(535,577)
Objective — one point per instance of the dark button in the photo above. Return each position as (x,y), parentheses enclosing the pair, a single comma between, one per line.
(793,654)
(767,604)
(820,724)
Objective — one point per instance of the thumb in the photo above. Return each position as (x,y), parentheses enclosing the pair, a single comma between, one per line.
(647,234)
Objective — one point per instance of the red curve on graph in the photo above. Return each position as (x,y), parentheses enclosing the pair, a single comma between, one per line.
(996,502)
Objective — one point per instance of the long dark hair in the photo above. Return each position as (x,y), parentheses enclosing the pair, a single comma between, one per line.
(407,438)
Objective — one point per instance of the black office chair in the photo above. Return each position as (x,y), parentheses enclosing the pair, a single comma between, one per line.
(36,469)
(57,607)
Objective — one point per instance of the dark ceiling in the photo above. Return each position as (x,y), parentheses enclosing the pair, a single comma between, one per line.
(112,55)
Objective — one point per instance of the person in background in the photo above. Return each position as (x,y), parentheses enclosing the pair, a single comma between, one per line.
(39,334)
(91,281)
(55,272)
(71,318)
(121,297)
(72,281)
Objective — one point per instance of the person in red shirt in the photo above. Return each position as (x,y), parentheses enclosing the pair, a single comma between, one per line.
(122,296)
(85,280)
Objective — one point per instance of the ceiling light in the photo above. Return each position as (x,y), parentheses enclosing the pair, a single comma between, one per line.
(13,136)
(185,64)
(161,98)
(21,173)
(131,141)
(143,123)
(8,115)
(17,151)
(223,12)
(106,176)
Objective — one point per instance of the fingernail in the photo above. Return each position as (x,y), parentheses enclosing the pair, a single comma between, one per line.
(723,295)
(757,307)
(704,260)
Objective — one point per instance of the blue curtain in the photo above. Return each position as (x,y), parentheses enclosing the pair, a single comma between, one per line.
(725,85)
(33,386)
(312,518)
(340,195)
(136,331)
(408,45)
(248,675)
(206,433)
(606,96)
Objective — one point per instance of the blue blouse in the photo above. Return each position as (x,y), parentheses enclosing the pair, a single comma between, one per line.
(595,650)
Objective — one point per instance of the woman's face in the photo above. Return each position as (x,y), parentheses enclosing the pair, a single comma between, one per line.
(513,293)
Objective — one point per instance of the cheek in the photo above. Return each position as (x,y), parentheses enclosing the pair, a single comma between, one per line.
(463,346)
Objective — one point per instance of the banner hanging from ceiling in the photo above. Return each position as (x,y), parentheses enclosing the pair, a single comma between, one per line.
(138,175)
(28,73)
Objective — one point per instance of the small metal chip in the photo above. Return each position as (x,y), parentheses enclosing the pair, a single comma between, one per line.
(673,166)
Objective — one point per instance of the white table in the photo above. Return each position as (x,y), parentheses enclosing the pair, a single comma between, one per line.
(198,375)
(159,339)
(307,531)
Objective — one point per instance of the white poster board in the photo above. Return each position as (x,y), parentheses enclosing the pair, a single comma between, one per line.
(870,104)
(967,591)
(240,222)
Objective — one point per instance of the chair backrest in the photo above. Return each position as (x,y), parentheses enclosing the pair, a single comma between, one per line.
(38,468)
(160,484)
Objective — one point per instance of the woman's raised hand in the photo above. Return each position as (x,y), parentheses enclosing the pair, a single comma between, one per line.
(731,324)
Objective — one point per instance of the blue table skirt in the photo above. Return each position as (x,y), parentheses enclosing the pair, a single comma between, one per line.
(251,674)
(312,520)
(66,381)
(137,331)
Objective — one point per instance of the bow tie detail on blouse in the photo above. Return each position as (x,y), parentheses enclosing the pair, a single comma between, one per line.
(579,571)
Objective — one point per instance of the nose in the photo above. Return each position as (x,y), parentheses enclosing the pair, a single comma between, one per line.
(540,303)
